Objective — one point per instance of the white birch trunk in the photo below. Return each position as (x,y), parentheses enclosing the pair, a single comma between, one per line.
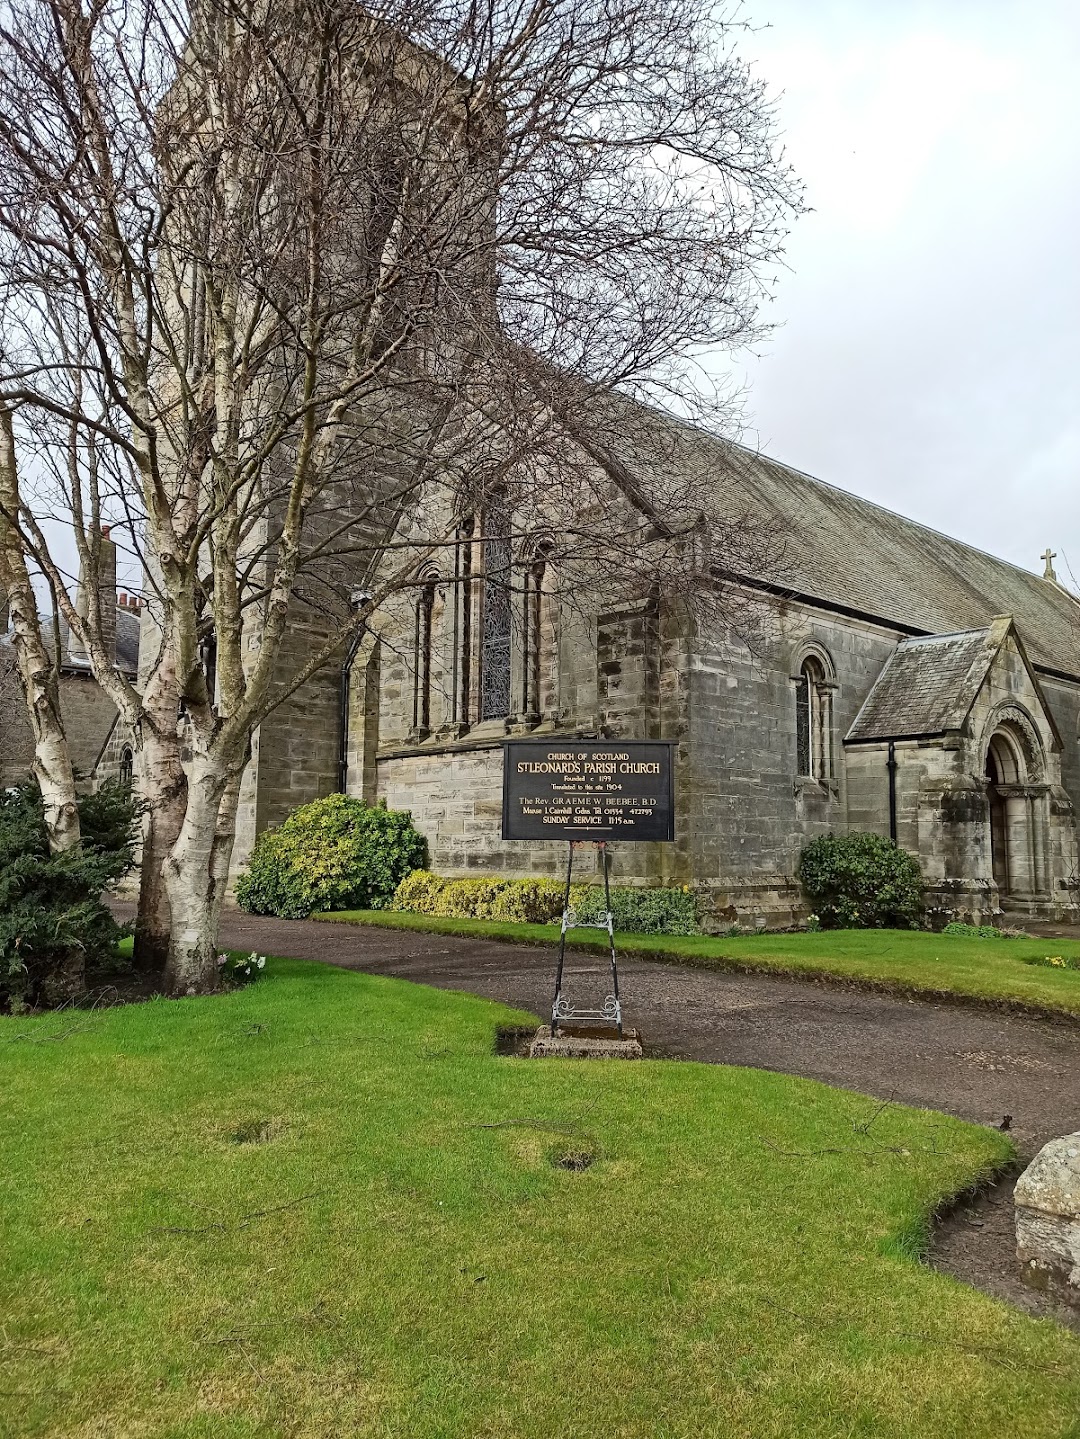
(37,673)
(163,787)
(196,875)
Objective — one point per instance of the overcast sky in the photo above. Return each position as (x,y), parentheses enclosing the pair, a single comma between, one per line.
(930,321)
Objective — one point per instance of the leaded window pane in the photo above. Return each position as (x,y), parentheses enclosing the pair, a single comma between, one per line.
(802,723)
(496,618)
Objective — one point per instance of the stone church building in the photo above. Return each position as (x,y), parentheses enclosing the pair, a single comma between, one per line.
(897,681)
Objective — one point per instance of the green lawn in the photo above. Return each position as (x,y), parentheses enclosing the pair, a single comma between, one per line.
(321,1207)
(913,961)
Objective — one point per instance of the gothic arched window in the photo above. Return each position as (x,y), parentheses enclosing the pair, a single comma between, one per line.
(425,610)
(813,720)
(127,765)
(463,576)
(495,615)
(532,632)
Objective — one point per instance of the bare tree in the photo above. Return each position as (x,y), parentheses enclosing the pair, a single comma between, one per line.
(289,286)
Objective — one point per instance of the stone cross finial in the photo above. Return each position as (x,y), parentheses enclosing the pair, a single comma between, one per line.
(1049,556)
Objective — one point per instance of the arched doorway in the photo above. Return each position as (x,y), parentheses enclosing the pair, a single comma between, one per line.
(1018,818)
(999,827)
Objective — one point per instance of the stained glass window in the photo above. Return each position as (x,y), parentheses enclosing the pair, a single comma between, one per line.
(495,622)
(802,722)
(425,607)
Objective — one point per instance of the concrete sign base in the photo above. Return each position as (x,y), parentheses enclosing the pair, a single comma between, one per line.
(595,1045)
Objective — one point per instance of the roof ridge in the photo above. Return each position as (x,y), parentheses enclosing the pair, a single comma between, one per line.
(760,454)
(896,514)
(945,635)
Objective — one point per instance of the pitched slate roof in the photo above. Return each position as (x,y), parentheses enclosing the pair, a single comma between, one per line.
(844,549)
(927,686)
(127,643)
(855,555)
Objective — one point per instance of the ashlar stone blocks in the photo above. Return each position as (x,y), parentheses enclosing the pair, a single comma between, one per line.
(1047,1201)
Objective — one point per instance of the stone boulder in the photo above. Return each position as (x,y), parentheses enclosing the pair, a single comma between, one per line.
(1048,1217)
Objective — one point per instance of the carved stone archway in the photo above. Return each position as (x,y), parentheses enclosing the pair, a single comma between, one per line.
(1018,809)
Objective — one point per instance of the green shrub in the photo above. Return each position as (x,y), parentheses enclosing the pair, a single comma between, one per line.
(861,881)
(418,892)
(53,923)
(640,910)
(468,898)
(335,853)
(972,931)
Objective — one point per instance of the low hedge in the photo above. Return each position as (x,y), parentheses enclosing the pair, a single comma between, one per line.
(641,911)
(540,901)
(518,901)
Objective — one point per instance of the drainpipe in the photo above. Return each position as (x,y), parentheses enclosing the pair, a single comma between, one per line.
(891,766)
(356,599)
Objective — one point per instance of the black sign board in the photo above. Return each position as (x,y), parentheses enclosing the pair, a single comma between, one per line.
(588,789)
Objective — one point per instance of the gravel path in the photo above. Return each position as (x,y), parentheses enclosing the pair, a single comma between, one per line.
(975,1063)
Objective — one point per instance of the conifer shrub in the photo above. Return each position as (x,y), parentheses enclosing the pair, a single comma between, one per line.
(861,881)
(334,853)
(54,925)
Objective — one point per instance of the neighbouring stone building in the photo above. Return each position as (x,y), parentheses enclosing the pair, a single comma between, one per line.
(88,713)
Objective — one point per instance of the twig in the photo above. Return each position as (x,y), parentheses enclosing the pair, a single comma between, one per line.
(840,1149)
(992,1353)
(243,1223)
(865,1127)
(541,1124)
(76,1026)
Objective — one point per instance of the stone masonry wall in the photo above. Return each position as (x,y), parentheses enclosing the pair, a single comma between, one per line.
(750,810)
(742,812)
(295,751)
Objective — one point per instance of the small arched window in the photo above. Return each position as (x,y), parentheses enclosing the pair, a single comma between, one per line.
(127,765)
(425,611)
(813,720)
